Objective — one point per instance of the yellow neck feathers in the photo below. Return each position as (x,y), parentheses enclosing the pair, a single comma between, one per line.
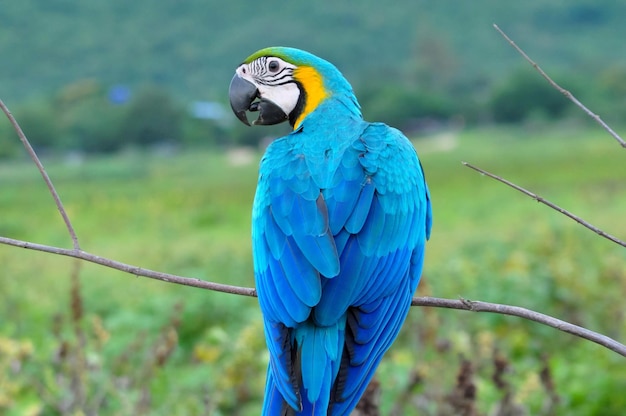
(312,83)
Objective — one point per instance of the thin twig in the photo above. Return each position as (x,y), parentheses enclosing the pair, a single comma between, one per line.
(475,306)
(548,203)
(478,306)
(44,174)
(562,90)
(134,270)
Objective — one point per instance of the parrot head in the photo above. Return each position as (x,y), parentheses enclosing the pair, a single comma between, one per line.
(284,84)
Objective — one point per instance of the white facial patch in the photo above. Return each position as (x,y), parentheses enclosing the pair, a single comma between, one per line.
(273,77)
(285,95)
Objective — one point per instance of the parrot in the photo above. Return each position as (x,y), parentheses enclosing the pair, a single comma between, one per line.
(340,219)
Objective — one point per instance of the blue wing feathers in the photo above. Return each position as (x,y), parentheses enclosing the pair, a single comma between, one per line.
(341,202)
(280,362)
(309,220)
(281,200)
(384,278)
(371,235)
(281,218)
(321,252)
(361,209)
(274,237)
(303,278)
(340,293)
(365,356)
(274,403)
(285,303)
(341,240)
(338,234)
(429,211)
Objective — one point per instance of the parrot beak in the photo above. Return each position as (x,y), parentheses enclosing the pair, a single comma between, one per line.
(243,94)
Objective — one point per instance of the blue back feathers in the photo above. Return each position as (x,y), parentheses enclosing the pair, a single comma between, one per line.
(340,220)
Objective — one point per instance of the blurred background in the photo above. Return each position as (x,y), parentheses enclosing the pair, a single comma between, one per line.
(127,104)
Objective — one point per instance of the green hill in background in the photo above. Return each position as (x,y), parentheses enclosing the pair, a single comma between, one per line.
(414,64)
(193,46)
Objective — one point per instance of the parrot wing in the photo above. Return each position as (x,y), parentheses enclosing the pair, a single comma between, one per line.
(293,247)
(380,239)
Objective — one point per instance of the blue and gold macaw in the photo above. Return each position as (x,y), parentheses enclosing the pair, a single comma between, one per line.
(339,223)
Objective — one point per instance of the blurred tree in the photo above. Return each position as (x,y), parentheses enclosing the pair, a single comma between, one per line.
(40,124)
(522,94)
(202,132)
(612,88)
(90,122)
(433,64)
(404,107)
(9,143)
(152,117)
(94,126)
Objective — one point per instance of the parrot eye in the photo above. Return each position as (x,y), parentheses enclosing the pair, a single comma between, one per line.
(273,66)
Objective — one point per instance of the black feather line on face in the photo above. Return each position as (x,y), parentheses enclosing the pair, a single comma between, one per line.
(295,113)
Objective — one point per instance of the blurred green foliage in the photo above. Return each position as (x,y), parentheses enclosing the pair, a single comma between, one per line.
(418,66)
(191,48)
(81,118)
(154,348)
(523,95)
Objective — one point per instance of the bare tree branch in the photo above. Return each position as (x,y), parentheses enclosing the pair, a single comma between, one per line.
(44,174)
(478,306)
(462,304)
(134,270)
(548,203)
(563,91)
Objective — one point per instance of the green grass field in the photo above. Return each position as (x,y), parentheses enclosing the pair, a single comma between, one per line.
(146,347)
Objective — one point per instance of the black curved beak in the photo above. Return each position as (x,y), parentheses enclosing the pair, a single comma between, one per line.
(241,93)
(242,96)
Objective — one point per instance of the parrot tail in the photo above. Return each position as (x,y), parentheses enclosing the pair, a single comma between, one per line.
(316,364)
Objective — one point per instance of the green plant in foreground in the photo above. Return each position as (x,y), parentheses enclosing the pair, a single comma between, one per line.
(179,215)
